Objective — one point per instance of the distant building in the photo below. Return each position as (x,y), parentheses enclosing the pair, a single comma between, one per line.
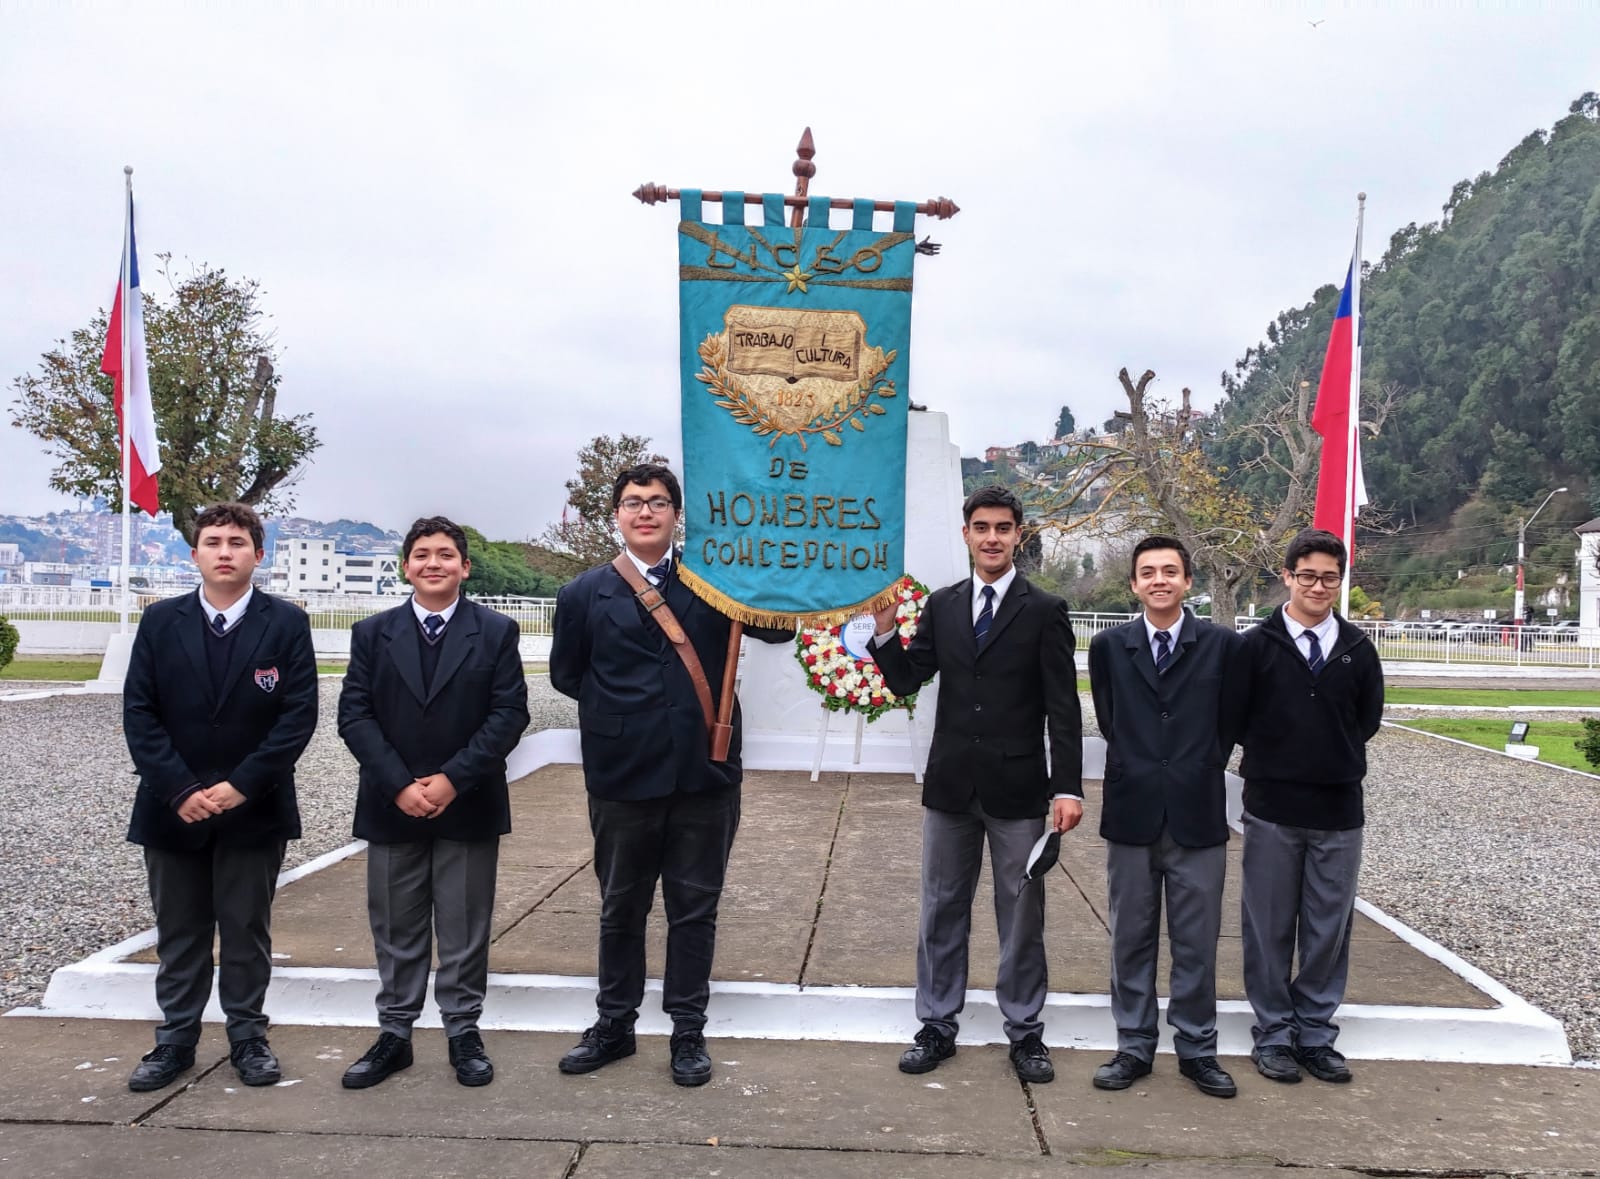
(308,565)
(1589,582)
(10,555)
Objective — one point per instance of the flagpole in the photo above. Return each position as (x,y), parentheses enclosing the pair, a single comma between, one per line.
(125,297)
(1352,437)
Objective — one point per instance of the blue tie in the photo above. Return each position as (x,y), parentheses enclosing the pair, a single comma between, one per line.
(658,572)
(1163,650)
(1315,659)
(433,624)
(219,625)
(980,628)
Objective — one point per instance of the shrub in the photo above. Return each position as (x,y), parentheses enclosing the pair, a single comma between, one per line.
(1589,743)
(9,638)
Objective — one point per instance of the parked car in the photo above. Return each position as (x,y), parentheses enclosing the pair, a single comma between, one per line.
(1565,631)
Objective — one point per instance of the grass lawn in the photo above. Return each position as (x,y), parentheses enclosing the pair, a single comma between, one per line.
(65,668)
(1557,740)
(1494,697)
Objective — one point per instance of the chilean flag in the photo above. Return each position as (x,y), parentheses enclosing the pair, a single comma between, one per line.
(1337,400)
(133,387)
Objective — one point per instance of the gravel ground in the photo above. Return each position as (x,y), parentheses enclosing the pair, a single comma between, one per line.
(1497,860)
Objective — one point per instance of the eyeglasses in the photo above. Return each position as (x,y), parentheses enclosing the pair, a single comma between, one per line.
(633,505)
(1306,579)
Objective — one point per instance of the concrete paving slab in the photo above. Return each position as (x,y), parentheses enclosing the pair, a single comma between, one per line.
(607,1161)
(76,1070)
(748,950)
(143,1152)
(764,1093)
(1395,1117)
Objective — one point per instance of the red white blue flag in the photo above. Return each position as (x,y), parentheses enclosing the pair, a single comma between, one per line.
(134,406)
(1341,489)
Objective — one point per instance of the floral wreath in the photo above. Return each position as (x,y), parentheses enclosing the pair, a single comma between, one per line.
(848,684)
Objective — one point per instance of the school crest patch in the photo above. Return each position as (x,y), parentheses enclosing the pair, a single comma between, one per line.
(266,678)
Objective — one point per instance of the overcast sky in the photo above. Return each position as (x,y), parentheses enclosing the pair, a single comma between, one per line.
(435,197)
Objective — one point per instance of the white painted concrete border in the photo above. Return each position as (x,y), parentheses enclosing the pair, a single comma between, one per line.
(103,987)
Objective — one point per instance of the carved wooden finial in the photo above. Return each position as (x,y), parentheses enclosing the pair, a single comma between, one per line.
(651,194)
(804,169)
(943,208)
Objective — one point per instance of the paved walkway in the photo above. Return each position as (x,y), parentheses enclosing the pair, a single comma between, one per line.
(822,891)
(773,1110)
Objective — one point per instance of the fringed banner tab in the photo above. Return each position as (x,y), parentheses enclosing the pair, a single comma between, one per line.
(794,362)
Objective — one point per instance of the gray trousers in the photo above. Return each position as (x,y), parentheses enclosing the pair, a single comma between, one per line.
(415,890)
(216,892)
(1299,890)
(1191,878)
(952,858)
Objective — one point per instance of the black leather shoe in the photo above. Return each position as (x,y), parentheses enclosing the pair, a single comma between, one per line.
(691,1065)
(1031,1059)
(928,1048)
(253,1061)
(385,1058)
(1276,1063)
(1324,1063)
(161,1067)
(599,1046)
(1120,1071)
(1208,1076)
(471,1061)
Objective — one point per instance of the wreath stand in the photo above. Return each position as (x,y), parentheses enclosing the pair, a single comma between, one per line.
(861,728)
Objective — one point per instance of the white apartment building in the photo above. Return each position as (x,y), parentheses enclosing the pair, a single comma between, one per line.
(302,565)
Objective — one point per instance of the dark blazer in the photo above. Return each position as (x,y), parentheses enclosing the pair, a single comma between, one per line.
(989,734)
(181,733)
(1168,736)
(640,725)
(464,726)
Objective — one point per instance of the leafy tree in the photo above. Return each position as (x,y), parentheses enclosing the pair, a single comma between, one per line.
(214,385)
(9,638)
(1029,451)
(1064,423)
(586,530)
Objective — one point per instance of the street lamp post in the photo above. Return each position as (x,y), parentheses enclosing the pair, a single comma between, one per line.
(1522,544)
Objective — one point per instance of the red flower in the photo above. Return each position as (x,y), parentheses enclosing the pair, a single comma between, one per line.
(810,659)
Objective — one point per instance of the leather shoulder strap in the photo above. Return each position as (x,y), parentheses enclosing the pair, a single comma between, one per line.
(655,605)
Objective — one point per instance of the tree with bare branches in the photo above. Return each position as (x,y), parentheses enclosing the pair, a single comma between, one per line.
(1156,474)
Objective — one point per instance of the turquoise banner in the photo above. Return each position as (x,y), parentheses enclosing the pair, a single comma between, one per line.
(794,362)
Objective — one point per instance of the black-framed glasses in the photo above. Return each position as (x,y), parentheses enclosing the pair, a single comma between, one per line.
(633,505)
(1306,578)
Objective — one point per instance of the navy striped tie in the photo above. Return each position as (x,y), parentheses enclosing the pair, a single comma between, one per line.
(1315,659)
(658,572)
(1163,650)
(980,628)
(433,624)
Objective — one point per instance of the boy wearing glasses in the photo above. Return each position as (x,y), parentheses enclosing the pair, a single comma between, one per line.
(1314,697)
(659,806)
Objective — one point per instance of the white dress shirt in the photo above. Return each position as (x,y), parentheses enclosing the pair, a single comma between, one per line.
(232,614)
(423,613)
(1326,631)
(643,566)
(1173,632)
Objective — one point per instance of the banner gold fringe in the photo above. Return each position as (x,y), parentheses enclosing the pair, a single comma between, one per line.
(739,612)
